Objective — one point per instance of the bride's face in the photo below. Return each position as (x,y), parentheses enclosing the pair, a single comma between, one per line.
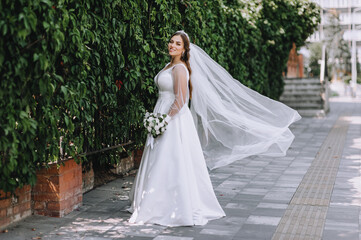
(176,46)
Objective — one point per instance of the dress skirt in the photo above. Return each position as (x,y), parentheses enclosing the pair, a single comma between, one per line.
(173,187)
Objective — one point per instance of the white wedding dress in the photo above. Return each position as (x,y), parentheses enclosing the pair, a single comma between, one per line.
(173,187)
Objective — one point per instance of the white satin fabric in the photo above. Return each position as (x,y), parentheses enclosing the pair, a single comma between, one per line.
(173,187)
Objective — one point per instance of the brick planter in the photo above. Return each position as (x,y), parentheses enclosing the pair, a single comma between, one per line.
(124,165)
(88,178)
(14,207)
(58,191)
(138,157)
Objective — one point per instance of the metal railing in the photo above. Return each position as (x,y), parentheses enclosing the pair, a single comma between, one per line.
(99,137)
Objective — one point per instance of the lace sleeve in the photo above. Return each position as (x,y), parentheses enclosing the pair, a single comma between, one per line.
(179,74)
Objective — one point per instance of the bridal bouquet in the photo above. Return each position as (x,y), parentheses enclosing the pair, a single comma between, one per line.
(156,123)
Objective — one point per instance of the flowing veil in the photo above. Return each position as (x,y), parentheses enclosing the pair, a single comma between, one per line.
(233,121)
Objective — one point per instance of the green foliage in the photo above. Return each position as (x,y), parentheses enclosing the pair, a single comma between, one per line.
(315,57)
(283,23)
(67,65)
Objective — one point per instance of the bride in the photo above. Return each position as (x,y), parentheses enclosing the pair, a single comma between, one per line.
(227,122)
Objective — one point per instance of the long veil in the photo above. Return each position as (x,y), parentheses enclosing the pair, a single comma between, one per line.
(233,121)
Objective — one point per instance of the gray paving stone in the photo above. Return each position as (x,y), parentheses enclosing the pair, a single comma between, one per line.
(234,212)
(220,231)
(94,238)
(134,230)
(272,205)
(164,237)
(341,225)
(312,198)
(212,237)
(342,213)
(187,231)
(228,221)
(268,212)
(283,197)
(254,192)
(255,232)
(287,184)
(263,220)
(248,197)
(340,235)
(261,185)
(20,233)
(132,238)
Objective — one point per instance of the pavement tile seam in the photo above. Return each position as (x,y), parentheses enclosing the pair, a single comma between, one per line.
(311,199)
(265,177)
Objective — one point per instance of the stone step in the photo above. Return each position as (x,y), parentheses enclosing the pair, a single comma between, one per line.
(298,82)
(303,84)
(305,95)
(302,87)
(301,96)
(306,105)
(302,81)
(312,113)
(290,99)
(302,93)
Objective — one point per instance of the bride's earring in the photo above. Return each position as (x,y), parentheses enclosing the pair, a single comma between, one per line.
(182,55)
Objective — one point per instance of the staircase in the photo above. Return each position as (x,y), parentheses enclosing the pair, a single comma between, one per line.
(306,95)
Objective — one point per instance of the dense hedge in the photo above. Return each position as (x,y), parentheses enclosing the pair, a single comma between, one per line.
(67,64)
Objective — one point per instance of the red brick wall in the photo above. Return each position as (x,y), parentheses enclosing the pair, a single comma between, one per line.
(58,191)
(300,65)
(15,207)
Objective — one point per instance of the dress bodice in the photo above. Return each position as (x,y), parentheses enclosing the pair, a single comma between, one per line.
(164,80)
(166,97)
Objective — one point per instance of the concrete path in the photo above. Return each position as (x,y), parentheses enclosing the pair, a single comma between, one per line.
(312,193)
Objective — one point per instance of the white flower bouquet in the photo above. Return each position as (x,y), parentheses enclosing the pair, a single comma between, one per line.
(155,123)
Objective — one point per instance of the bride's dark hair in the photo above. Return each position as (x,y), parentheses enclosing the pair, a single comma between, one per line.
(185,57)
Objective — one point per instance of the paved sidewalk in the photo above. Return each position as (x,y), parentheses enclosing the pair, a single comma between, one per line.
(312,193)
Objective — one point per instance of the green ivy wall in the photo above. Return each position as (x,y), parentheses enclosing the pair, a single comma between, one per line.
(66,64)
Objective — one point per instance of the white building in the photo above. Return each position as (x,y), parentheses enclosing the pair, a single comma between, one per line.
(349,12)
